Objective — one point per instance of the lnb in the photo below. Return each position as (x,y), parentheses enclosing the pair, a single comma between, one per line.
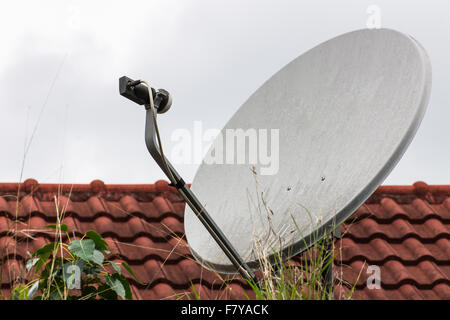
(137,91)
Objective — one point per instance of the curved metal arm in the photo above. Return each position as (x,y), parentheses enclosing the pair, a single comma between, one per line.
(153,148)
(193,202)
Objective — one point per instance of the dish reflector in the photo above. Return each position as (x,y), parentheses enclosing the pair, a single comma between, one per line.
(345,112)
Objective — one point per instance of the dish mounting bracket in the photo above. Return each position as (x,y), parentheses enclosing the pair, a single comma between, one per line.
(196,206)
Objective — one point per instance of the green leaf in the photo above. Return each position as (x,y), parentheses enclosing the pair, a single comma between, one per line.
(41,262)
(98,257)
(71,273)
(120,285)
(48,248)
(64,227)
(126,284)
(105,292)
(100,243)
(84,249)
(197,297)
(31,262)
(43,254)
(91,270)
(19,293)
(128,268)
(43,277)
(77,262)
(116,267)
(116,285)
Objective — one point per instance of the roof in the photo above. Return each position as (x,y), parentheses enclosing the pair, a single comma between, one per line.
(404,230)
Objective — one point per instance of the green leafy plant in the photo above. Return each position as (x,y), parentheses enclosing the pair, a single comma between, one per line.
(77,269)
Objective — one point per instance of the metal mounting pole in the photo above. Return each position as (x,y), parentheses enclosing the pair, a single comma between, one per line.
(195,204)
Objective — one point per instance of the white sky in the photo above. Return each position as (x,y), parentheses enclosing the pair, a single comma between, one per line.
(211,55)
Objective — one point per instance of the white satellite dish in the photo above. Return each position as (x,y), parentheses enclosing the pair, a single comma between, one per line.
(345,111)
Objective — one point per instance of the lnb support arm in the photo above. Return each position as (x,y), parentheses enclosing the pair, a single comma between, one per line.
(137,92)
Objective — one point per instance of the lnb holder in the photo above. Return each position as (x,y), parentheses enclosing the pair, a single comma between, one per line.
(137,92)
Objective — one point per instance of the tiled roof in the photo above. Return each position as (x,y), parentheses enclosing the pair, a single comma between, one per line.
(405,230)
(142,223)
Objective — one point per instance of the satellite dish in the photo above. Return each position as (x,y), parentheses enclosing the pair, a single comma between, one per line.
(345,112)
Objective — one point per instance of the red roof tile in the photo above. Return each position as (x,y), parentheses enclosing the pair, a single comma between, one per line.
(405,230)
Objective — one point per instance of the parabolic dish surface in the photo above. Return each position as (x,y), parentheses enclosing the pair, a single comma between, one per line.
(345,112)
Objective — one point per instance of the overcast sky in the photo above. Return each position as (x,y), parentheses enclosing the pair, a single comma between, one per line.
(60,62)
